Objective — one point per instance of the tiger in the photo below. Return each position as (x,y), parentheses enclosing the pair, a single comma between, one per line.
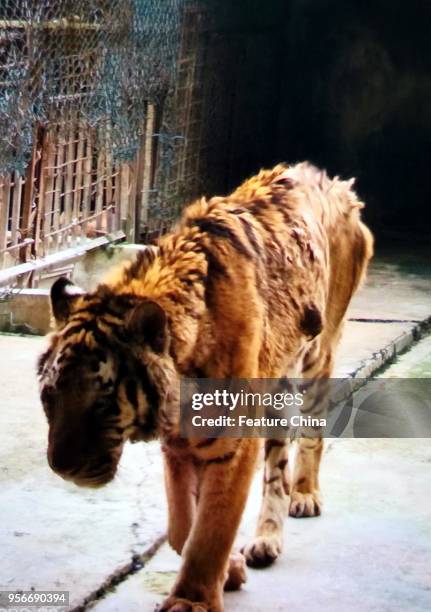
(252,285)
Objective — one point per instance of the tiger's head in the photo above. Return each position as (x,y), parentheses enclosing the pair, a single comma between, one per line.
(106,377)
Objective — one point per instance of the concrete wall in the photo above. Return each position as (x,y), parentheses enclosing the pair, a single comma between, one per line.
(26,312)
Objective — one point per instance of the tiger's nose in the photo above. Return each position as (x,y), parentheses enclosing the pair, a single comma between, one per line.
(62,460)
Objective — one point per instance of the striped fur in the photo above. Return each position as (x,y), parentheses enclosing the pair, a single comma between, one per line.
(252,285)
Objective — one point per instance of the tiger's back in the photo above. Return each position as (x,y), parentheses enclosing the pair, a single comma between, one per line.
(282,256)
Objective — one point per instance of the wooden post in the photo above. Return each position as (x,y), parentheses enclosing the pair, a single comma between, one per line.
(109,191)
(124,200)
(58,190)
(16,208)
(29,193)
(88,168)
(117,198)
(4,215)
(48,192)
(100,179)
(77,194)
(38,246)
(69,162)
(147,165)
(132,228)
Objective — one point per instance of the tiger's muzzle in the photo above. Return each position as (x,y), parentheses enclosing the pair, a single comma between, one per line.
(83,467)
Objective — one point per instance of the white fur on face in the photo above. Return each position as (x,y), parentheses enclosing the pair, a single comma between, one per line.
(73,290)
(106,370)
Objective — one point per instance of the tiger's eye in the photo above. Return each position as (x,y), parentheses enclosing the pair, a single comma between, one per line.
(94,366)
(47,397)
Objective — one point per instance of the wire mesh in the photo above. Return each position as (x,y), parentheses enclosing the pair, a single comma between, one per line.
(99,59)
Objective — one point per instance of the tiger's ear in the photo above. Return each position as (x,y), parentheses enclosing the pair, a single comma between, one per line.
(147,322)
(63,295)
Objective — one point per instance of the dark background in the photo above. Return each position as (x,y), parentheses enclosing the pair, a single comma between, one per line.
(344,84)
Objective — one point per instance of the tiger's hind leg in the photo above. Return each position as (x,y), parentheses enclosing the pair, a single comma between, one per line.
(304,496)
(303,490)
(268,542)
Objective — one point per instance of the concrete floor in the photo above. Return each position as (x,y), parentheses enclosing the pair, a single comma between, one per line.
(370,550)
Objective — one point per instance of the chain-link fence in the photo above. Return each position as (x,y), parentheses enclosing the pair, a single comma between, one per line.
(89,133)
(98,59)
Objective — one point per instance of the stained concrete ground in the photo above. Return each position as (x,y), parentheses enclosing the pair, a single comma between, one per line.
(370,549)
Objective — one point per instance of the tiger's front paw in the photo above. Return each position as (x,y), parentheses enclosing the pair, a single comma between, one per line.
(263,550)
(188,597)
(236,573)
(304,504)
(175,604)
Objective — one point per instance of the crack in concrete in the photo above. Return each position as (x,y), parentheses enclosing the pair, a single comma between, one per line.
(134,527)
(136,563)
